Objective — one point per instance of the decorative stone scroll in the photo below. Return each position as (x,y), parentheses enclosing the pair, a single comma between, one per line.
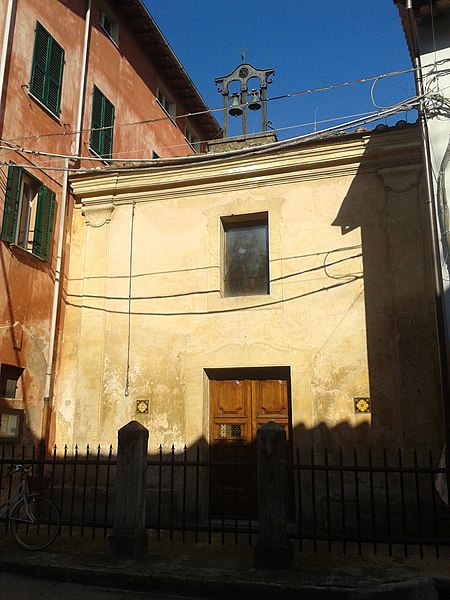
(400,179)
(98,215)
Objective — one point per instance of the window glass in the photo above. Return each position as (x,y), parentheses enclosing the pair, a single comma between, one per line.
(28,214)
(246,257)
(169,107)
(109,25)
(10,425)
(9,377)
(102,124)
(193,140)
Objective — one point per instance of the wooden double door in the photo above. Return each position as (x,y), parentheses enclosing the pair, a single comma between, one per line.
(238,407)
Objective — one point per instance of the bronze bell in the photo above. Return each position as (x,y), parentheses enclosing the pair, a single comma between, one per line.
(255,103)
(235,109)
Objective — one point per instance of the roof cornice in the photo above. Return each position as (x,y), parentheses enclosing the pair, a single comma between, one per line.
(424,11)
(303,162)
(146,29)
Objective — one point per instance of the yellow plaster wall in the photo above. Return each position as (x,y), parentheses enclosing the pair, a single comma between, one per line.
(177,323)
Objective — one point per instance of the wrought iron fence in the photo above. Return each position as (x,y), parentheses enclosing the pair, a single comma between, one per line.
(363,500)
(80,483)
(371,500)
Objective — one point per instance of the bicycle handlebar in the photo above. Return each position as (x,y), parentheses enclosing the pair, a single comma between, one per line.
(19,469)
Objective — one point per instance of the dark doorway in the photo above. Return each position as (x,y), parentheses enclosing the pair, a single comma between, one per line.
(241,400)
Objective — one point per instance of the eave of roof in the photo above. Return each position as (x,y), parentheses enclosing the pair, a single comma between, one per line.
(424,10)
(140,20)
(279,146)
(348,155)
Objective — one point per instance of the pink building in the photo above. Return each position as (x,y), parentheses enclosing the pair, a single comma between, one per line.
(82,83)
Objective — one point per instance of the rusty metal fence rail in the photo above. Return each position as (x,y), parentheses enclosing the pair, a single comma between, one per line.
(370,500)
(80,483)
(338,501)
(199,496)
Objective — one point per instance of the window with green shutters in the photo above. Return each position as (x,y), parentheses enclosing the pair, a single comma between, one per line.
(102,122)
(28,213)
(47,70)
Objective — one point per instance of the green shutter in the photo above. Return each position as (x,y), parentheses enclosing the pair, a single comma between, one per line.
(55,77)
(47,70)
(12,201)
(47,241)
(96,120)
(108,121)
(40,58)
(102,121)
(44,222)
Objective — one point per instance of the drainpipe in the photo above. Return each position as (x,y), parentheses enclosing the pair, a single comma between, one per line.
(50,359)
(6,38)
(434,238)
(81,99)
(442,196)
(64,200)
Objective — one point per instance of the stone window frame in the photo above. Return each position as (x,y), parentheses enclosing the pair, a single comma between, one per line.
(14,418)
(109,24)
(217,301)
(232,224)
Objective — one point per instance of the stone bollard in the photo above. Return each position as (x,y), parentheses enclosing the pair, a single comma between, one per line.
(274,549)
(129,537)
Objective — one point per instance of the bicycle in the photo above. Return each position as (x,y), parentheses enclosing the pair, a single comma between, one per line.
(33,519)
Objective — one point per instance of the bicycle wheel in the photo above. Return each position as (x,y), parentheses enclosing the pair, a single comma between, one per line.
(35,522)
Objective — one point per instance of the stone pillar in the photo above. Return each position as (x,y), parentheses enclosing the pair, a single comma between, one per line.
(274,549)
(412,305)
(129,537)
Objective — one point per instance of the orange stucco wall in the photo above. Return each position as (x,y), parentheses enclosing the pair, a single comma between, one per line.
(126,74)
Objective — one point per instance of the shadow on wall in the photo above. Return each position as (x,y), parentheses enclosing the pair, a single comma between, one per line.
(23,362)
(402,338)
(402,343)
(339,493)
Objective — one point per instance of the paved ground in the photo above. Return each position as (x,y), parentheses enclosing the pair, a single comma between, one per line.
(205,571)
(24,587)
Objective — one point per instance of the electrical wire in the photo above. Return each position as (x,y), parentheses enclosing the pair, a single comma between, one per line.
(406,105)
(311,123)
(130,283)
(434,37)
(167,161)
(437,101)
(212,110)
(94,159)
(340,85)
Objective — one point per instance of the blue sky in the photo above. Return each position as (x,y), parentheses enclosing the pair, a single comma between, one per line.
(310,44)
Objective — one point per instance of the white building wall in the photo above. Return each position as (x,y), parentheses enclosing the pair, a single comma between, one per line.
(434,46)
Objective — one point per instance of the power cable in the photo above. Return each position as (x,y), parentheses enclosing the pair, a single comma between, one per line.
(130,283)
(406,105)
(213,110)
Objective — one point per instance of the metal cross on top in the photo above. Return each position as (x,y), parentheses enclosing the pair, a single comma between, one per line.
(239,101)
